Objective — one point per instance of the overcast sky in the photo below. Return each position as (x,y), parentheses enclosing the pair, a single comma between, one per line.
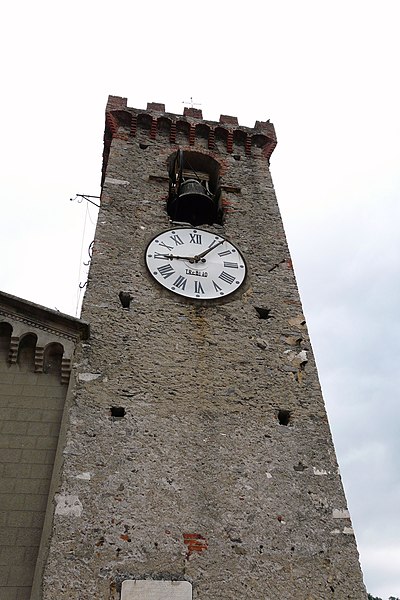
(327,75)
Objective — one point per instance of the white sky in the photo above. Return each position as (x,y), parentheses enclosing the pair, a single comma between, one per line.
(327,75)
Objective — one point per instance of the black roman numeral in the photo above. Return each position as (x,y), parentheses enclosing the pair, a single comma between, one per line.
(230,265)
(195,238)
(176,239)
(158,255)
(166,246)
(166,271)
(216,286)
(198,288)
(180,282)
(225,253)
(226,277)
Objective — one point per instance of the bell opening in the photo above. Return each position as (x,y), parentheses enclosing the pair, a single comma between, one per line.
(194,195)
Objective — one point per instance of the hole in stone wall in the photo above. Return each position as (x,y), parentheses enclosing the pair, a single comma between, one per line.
(263,313)
(117,412)
(143,146)
(125,299)
(299,467)
(283,417)
(237,156)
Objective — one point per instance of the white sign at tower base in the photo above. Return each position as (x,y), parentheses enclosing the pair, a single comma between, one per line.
(146,589)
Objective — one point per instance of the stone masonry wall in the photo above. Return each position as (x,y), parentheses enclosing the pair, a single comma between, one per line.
(220,469)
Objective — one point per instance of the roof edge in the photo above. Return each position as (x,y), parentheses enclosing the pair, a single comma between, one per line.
(74,326)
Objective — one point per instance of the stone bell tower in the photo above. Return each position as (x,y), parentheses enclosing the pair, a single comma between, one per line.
(197,460)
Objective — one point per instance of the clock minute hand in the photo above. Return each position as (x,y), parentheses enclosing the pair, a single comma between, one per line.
(199,256)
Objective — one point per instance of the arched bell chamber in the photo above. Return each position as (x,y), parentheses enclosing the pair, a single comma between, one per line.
(194,194)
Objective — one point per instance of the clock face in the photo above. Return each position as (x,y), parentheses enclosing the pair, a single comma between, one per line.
(195,263)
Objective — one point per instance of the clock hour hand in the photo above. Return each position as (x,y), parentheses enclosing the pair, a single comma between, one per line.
(172,256)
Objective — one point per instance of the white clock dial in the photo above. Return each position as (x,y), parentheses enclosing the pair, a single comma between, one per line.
(195,263)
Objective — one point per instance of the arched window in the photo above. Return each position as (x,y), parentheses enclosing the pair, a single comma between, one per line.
(5,339)
(52,358)
(26,352)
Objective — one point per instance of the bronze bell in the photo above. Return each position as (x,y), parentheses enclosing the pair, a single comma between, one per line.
(193,204)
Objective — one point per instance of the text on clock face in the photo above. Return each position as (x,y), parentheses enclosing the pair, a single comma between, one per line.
(196,273)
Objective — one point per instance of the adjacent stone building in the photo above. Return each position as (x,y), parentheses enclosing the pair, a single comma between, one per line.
(36,349)
(195,459)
